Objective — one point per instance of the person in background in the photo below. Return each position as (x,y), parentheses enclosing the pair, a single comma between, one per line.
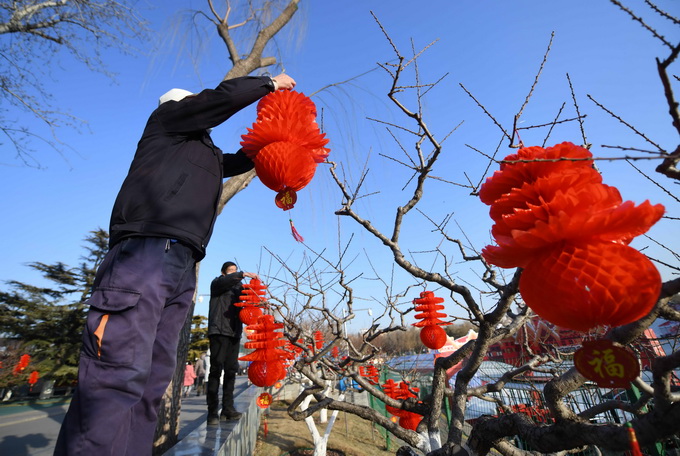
(199,368)
(161,223)
(189,378)
(224,332)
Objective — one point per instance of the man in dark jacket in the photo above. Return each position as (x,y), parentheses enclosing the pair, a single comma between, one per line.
(161,223)
(224,332)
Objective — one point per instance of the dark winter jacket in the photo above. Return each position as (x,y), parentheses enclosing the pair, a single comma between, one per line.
(223,316)
(174,183)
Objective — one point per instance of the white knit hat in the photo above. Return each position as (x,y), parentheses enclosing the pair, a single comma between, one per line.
(173,95)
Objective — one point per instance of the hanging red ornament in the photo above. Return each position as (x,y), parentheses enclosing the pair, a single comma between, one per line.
(583,286)
(22,364)
(266,366)
(33,378)
(264,400)
(608,365)
(318,340)
(432,335)
(285,144)
(556,219)
(372,374)
(390,389)
(407,420)
(251,299)
(335,352)
(633,441)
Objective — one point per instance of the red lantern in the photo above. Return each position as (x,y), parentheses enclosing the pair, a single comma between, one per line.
(266,366)
(407,420)
(33,378)
(264,400)
(608,365)
(410,421)
(432,335)
(372,374)
(583,286)
(335,352)
(22,364)
(318,340)
(285,144)
(556,219)
(390,389)
(251,299)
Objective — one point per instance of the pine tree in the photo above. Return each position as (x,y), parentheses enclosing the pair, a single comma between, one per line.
(47,321)
(199,338)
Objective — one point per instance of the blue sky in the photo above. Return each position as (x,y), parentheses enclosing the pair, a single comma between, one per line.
(492,47)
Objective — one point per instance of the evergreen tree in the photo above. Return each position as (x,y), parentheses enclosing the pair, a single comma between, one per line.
(199,342)
(47,321)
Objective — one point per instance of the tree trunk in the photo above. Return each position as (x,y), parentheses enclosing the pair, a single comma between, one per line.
(167,428)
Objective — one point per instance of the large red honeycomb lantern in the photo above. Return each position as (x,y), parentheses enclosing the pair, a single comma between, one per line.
(570,232)
(251,301)
(267,358)
(431,334)
(285,143)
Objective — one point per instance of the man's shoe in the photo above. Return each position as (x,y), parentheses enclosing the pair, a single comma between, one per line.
(227,415)
(213,419)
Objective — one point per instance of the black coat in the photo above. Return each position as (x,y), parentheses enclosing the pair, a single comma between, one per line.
(175,180)
(223,316)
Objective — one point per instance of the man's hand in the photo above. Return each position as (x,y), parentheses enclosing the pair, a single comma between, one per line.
(283,81)
(251,275)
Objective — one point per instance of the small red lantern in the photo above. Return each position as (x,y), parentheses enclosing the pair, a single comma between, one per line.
(264,400)
(608,365)
(432,335)
(285,144)
(251,299)
(570,232)
(318,340)
(335,352)
(407,420)
(22,364)
(33,378)
(390,389)
(372,374)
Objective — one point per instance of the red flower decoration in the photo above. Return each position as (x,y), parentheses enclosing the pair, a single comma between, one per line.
(432,335)
(285,144)
(569,231)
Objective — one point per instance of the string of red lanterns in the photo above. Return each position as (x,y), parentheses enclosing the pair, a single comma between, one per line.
(570,232)
(431,335)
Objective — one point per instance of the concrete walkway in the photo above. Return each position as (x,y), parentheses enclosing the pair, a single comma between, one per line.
(228,438)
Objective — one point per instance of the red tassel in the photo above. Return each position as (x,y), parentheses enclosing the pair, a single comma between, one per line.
(296,235)
(632,438)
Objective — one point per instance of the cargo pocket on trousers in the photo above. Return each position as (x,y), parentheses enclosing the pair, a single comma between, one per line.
(110,334)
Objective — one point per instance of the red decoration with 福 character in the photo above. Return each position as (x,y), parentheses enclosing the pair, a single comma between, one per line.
(431,334)
(570,232)
(607,364)
(285,143)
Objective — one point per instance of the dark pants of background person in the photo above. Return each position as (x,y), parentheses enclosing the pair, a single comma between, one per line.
(141,296)
(223,356)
